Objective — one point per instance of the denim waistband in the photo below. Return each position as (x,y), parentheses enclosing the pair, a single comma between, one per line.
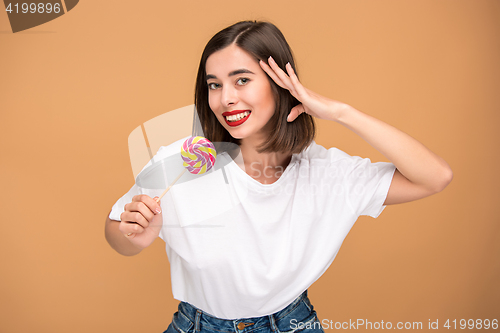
(196,316)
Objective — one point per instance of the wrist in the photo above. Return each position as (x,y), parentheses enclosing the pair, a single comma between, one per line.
(343,112)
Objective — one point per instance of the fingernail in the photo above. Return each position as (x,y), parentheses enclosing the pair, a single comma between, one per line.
(158,210)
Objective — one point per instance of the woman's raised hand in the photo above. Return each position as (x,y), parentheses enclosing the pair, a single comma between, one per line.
(141,221)
(311,103)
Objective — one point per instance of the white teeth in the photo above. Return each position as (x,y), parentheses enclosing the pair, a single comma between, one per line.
(237,117)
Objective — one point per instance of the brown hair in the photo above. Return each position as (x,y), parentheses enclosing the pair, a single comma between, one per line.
(260,40)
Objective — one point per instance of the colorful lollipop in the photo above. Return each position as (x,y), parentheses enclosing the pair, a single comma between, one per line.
(198,154)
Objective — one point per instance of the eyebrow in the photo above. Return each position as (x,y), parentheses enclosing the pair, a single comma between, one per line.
(236,72)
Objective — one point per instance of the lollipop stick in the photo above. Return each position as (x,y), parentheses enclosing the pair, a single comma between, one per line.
(168,188)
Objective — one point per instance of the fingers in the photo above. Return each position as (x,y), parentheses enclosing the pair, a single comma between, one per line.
(272,74)
(138,214)
(295,80)
(283,76)
(130,228)
(295,112)
(149,202)
(280,75)
(140,217)
(288,80)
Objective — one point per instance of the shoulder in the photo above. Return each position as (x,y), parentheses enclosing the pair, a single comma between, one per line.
(338,162)
(171,149)
(317,152)
(165,154)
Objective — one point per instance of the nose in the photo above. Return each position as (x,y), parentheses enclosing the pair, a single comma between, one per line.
(229,96)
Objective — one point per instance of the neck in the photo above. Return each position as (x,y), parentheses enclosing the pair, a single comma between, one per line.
(260,161)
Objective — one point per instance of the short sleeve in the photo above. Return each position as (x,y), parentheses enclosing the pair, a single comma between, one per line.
(368,185)
(118,207)
(357,183)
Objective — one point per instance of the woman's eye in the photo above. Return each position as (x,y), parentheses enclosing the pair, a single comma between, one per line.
(213,86)
(243,81)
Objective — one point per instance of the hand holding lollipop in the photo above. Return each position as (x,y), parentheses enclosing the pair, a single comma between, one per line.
(198,154)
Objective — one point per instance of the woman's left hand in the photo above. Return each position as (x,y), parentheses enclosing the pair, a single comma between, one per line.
(311,103)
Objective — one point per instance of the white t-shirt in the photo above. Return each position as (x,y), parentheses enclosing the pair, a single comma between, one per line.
(239,248)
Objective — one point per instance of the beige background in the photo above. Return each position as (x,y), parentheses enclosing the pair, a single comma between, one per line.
(73,89)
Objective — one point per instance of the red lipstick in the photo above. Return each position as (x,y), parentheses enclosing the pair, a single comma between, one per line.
(235,112)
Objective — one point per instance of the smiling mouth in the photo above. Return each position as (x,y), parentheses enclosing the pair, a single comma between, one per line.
(236,119)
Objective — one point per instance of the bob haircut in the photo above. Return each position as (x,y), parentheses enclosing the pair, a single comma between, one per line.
(260,40)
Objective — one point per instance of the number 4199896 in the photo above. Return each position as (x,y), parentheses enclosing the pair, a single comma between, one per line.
(471,324)
(33,8)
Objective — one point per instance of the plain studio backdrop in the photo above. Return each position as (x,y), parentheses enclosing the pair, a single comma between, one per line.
(73,89)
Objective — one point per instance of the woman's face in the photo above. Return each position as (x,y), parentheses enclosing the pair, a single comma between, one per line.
(239,93)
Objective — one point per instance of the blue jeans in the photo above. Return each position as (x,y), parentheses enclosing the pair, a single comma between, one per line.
(299,316)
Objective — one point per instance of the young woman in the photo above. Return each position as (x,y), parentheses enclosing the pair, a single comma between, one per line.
(300,200)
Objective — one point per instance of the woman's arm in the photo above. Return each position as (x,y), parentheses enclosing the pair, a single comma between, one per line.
(420,172)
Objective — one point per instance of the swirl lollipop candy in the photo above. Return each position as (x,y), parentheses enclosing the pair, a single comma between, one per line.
(198,154)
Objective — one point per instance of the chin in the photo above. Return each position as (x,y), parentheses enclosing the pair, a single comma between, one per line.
(238,136)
